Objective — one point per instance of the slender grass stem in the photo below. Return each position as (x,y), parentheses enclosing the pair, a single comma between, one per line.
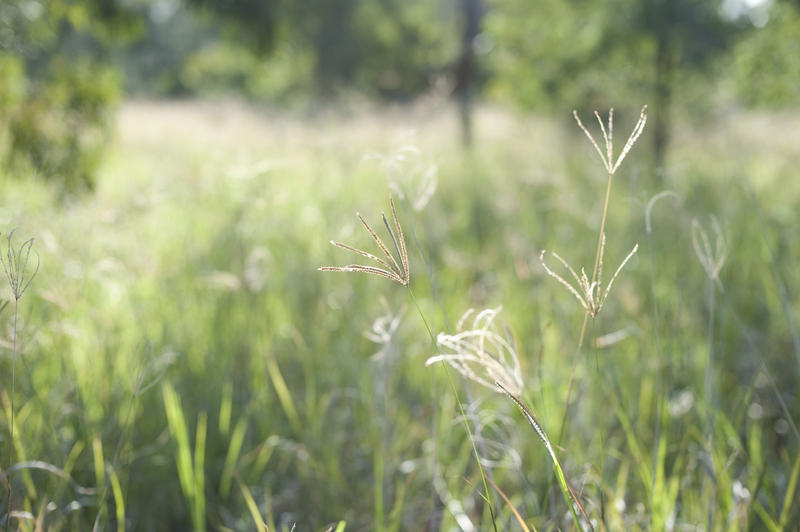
(485,496)
(582,336)
(11,441)
(709,397)
(566,490)
(657,355)
(602,228)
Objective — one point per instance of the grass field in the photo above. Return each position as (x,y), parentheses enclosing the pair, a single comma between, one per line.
(182,364)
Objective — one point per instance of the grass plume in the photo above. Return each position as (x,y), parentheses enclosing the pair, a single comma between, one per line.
(480,350)
(19,276)
(393,270)
(588,293)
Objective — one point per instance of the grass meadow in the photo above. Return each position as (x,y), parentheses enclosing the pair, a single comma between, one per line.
(181,363)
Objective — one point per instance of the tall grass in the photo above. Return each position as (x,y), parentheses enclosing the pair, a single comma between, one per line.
(194,266)
(19,274)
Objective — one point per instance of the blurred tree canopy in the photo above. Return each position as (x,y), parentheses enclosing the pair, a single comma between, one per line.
(65,63)
(386,48)
(588,54)
(57,87)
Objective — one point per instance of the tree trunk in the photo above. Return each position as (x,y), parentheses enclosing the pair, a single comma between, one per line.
(472,13)
(665,72)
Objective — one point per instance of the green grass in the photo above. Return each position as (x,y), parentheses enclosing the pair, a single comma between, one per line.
(182,363)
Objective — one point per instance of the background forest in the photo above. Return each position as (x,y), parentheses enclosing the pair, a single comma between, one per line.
(172,173)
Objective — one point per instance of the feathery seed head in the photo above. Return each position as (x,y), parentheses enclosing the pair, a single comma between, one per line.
(393,270)
(711,260)
(411,175)
(608,138)
(16,266)
(384,328)
(588,293)
(481,353)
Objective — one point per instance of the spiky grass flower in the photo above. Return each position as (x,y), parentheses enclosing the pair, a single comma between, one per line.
(391,269)
(400,272)
(608,138)
(411,175)
(15,266)
(384,329)
(712,260)
(481,354)
(589,293)
(19,277)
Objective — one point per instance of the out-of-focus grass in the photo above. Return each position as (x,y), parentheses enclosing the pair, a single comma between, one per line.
(191,276)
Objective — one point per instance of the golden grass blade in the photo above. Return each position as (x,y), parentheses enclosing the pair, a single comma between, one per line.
(519,518)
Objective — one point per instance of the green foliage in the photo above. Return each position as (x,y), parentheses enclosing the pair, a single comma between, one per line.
(57,95)
(226,68)
(391,49)
(253,22)
(766,64)
(179,321)
(63,125)
(583,54)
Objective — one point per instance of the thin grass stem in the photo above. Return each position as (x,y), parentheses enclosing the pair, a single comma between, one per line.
(485,496)
(11,441)
(566,490)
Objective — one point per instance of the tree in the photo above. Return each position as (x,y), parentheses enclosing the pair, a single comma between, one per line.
(57,89)
(465,71)
(687,34)
(766,64)
(391,48)
(597,54)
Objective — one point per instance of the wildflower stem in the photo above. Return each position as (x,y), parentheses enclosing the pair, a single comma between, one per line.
(11,441)
(485,495)
(586,314)
(602,228)
(710,400)
(566,490)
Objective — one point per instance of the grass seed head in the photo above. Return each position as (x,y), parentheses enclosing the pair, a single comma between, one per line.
(481,354)
(384,329)
(17,266)
(588,293)
(391,269)
(608,138)
(712,260)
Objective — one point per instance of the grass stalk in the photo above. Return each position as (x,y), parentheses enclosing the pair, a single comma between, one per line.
(485,496)
(566,491)
(586,314)
(11,440)
(15,266)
